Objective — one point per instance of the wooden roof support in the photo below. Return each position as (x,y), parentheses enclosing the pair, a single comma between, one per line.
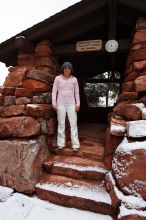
(137,5)
(112,17)
(77,29)
(70,49)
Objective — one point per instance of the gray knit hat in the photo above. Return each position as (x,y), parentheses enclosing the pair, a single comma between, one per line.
(67,64)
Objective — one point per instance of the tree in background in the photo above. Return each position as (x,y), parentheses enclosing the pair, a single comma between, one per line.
(103,94)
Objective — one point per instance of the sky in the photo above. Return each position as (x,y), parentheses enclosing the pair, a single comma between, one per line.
(18,15)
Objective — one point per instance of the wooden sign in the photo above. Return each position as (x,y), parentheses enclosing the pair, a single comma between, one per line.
(89,45)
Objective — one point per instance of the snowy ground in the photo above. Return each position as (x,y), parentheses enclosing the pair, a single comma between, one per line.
(20,207)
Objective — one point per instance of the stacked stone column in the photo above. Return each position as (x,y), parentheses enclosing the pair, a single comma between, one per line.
(27,119)
(127,123)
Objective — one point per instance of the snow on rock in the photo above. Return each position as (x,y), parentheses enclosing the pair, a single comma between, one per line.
(128,212)
(130,202)
(5,193)
(118,129)
(141,106)
(80,168)
(136,129)
(144,111)
(78,191)
(129,167)
(27,208)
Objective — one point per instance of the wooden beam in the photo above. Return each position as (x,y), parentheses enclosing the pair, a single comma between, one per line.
(127,19)
(77,30)
(138,5)
(70,49)
(112,17)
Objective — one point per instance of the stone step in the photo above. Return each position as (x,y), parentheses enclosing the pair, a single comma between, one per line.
(75,167)
(88,149)
(87,195)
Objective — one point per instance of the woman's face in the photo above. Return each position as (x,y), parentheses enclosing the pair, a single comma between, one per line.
(67,71)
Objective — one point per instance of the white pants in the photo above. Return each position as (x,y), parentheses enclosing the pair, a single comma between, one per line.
(72,116)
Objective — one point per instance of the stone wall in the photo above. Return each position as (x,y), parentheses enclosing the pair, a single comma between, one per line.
(27,119)
(126,134)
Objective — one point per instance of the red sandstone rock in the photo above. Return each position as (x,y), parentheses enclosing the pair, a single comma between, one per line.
(45,97)
(108,161)
(47,69)
(110,188)
(16,77)
(129,167)
(139,55)
(21,162)
(140,36)
(141,23)
(35,85)
(44,77)
(12,110)
(51,126)
(129,111)
(127,96)
(75,200)
(128,87)
(90,150)
(48,126)
(140,84)
(132,76)
(9,100)
(7,90)
(25,60)
(75,167)
(23,100)
(43,48)
(139,65)
(112,142)
(2,99)
(117,126)
(40,110)
(19,127)
(132,217)
(44,61)
(128,69)
(21,92)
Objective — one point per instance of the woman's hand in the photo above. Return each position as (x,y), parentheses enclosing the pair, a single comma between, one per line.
(77,108)
(55,108)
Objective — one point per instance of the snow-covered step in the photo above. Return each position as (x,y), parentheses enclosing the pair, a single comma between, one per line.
(75,167)
(87,195)
(89,149)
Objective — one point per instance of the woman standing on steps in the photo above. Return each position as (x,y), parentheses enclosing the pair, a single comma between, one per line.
(66,100)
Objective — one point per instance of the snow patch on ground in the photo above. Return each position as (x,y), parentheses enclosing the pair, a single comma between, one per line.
(21,207)
(5,193)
